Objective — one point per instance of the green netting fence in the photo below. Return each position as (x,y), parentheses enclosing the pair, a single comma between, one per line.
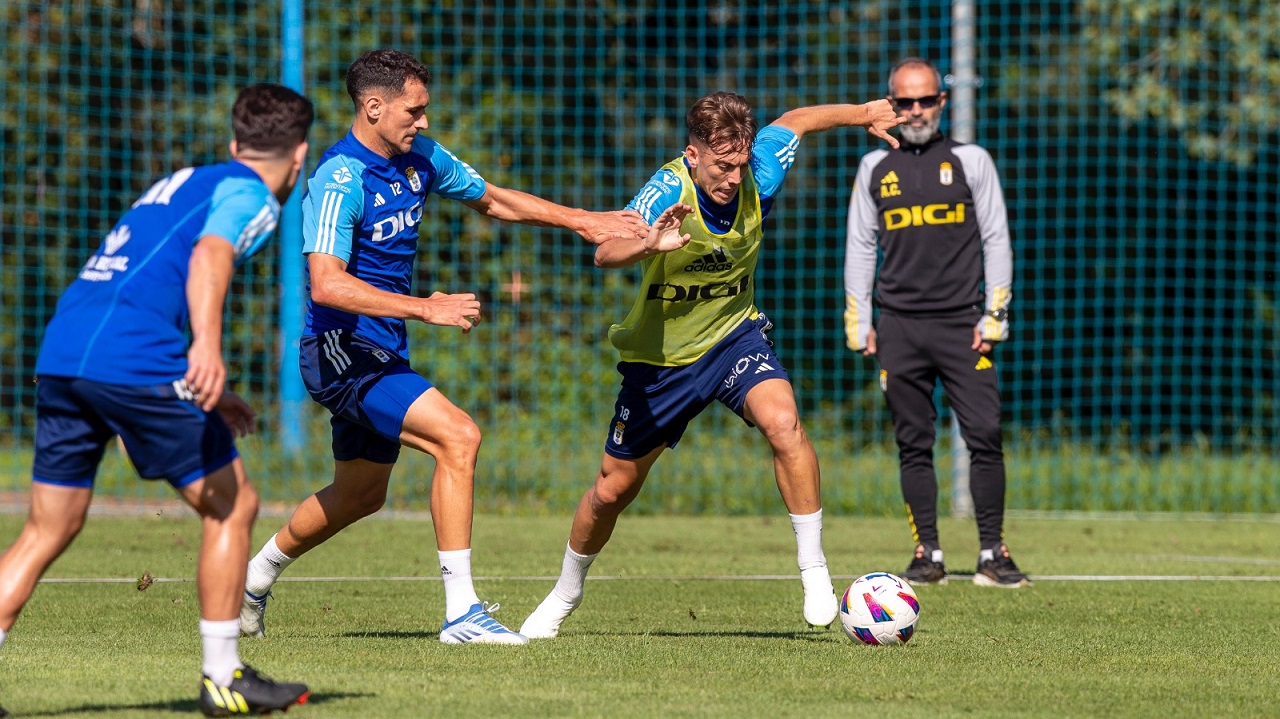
(1137,141)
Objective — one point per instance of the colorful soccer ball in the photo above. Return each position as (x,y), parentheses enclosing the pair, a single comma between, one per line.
(879,608)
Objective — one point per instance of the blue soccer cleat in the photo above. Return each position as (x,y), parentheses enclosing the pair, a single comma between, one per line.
(477,627)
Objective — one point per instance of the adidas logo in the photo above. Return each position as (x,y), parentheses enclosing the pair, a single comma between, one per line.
(889,185)
(983,363)
(377,200)
(445,571)
(272,562)
(714,261)
(764,367)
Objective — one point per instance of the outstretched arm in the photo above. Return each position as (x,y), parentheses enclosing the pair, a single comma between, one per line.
(664,236)
(332,286)
(509,205)
(877,116)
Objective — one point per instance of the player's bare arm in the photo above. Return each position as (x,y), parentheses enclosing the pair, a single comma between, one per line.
(878,117)
(502,203)
(209,275)
(663,236)
(332,286)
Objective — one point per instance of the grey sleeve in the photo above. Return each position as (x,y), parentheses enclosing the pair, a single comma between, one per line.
(993,224)
(860,254)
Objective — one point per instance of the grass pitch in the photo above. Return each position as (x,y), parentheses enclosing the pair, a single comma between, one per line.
(683,619)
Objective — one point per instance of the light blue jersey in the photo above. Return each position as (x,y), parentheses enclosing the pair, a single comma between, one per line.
(772,155)
(123,320)
(365,210)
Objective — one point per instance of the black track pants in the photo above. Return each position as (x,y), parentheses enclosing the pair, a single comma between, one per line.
(914,353)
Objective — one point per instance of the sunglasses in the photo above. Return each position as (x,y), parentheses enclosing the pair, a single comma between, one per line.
(906,103)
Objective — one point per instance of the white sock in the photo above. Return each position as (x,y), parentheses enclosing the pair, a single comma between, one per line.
(459,592)
(808,529)
(3,634)
(573,576)
(221,650)
(265,568)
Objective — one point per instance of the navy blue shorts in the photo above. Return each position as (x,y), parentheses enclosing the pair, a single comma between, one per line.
(367,388)
(165,433)
(656,404)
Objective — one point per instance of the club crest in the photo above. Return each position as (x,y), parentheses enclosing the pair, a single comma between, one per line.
(415,182)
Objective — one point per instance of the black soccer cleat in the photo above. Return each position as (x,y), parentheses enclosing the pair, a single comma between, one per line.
(249,693)
(924,570)
(1000,571)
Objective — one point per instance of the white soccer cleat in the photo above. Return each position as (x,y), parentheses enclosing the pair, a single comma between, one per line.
(820,603)
(545,621)
(477,627)
(253,609)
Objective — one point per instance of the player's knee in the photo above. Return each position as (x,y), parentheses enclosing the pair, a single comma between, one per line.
(783,430)
(613,492)
(58,533)
(462,441)
(984,439)
(370,502)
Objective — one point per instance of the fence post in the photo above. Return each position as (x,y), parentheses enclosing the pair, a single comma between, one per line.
(291,430)
(961,83)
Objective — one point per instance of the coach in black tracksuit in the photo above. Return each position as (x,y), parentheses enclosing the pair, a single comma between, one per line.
(943,292)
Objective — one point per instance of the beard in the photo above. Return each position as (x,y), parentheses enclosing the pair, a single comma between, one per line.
(920,134)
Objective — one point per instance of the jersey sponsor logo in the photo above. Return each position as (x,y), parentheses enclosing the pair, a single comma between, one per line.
(714,261)
(889,185)
(917,216)
(342,175)
(759,360)
(103,266)
(696,293)
(945,174)
(415,182)
(394,224)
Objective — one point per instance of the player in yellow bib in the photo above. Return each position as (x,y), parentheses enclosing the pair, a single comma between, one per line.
(695,335)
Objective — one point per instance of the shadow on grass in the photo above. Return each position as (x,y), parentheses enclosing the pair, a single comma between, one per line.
(803,635)
(809,635)
(391,635)
(185,706)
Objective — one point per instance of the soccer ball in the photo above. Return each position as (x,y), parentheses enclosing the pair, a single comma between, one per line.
(879,608)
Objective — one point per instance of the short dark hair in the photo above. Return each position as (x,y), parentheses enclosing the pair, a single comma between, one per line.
(385,70)
(920,61)
(722,118)
(271,118)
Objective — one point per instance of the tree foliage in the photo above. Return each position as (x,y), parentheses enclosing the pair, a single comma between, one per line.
(1209,71)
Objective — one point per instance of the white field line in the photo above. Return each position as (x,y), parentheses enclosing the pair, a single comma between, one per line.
(692,578)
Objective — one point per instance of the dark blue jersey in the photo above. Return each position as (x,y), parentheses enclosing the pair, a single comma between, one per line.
(365,210)
(123,320)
